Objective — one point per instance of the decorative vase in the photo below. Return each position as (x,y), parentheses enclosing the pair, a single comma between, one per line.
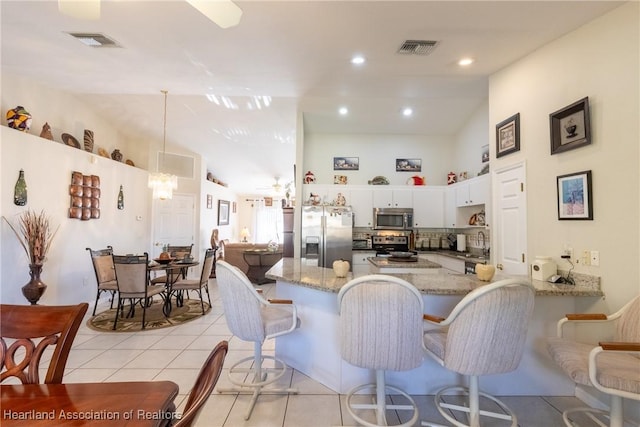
(485,272)
(88,140)
(121,199)
(19,118)
(33,290)
(20,190)
(341,268)
(46,132)
(116,155)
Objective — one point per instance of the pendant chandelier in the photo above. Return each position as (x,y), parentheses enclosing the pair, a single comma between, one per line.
(163,184)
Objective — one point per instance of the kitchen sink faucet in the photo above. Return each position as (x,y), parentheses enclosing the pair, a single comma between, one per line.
(484,247)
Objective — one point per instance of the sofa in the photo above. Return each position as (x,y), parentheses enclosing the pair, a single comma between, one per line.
(233,252)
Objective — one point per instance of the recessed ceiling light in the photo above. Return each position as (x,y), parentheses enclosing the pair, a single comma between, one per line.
(465,61)
(358,60)
(407,111)
(343,111)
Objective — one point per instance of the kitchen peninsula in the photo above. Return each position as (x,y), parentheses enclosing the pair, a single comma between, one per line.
(314,349)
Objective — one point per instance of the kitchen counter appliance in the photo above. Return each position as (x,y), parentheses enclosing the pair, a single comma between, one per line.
(384,245)
(326,234)
(392,218)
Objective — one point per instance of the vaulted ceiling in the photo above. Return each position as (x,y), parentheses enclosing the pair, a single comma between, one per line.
(235,93)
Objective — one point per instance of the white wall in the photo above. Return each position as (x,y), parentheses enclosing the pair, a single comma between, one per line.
(48,165)
(601,61)
(67,272)
(377,155)
(67,114)
(470,140)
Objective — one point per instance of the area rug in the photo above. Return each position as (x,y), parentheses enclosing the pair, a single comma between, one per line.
(155,319)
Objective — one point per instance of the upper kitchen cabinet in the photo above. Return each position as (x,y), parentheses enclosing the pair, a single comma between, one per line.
(361,201)
(393,198)
(474,191)
(428,208)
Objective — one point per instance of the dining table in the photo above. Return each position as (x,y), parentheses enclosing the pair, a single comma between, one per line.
(174,270)
(131,404)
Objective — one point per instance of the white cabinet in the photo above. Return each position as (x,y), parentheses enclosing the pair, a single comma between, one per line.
(428,208)
(360,257)
(453,264)
(360,265)
(396,198)
(361,202)
(450,208)
(474,191)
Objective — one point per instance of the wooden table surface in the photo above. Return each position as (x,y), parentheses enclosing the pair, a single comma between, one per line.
(147,403)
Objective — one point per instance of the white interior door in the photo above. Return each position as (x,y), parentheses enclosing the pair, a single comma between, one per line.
(510,231)
(174,221)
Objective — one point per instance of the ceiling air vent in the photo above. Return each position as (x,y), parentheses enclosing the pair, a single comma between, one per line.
(95,39)
(417,47)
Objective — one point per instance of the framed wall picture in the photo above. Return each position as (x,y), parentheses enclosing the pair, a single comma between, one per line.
(340,179)
(575,200)
(268,201)
(346,163)
(408,165)
(485,153)
(223,212)
(570,127)
(508,136)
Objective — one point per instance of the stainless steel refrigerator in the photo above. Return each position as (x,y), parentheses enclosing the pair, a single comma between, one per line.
(326,234)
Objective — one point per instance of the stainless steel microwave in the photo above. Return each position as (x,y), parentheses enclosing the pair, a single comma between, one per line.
(392,218)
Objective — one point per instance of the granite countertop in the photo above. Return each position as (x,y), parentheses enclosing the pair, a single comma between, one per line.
(439,281)
(389,262)
(464,256)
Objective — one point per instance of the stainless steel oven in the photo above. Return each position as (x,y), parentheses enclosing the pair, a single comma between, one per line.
(392,218)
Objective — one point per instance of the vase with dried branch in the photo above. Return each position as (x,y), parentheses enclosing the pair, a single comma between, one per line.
(35,234)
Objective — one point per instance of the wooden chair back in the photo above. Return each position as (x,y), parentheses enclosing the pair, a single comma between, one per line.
(25,333)
(204,385)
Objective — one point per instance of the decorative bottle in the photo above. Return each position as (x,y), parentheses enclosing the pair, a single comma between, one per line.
(20,192)
(120,199)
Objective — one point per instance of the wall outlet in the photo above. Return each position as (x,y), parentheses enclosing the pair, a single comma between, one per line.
(586,258)
(595,258)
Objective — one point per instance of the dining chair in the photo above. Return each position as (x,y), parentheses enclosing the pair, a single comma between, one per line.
(204,385)
(250,317)
(26,332)
(612,367)
(186,285)
(484,334)
(133,285)
(177,252)
(381,330)
(102,262)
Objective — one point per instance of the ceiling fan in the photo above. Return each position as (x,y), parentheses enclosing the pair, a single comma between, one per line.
(224,13)
(275,187)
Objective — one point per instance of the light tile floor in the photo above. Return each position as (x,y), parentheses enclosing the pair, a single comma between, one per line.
(177,353)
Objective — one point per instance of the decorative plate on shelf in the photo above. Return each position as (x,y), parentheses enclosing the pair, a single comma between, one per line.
(102,152)
(70,140)
(130,162)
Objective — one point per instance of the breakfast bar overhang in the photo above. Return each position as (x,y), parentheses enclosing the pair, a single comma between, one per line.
(314,349)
